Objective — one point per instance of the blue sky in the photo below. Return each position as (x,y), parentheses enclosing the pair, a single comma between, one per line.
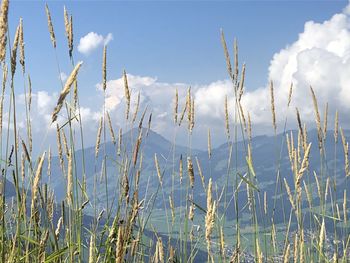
(174,41)
(168,44)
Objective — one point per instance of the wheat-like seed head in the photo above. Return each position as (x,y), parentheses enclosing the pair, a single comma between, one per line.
(3,28)
(241,84)
(290,94)
(104,68)
(190,171)
(176,106)
(98,137)
(50,25)
(66,89)
(127,94)
(317,118)
(336,127)
(286,254)
(325,121)
(200,173)
(14,50)
(227,55)
(36,181)
(70,179)
(158,169)
(227,123)
(290,196)
(111,128)
(273,107)
(21,46)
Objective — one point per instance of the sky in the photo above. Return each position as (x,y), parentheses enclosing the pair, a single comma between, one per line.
(165,45)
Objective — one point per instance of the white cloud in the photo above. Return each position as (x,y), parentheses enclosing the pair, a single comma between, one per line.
(91,41)
(319,58)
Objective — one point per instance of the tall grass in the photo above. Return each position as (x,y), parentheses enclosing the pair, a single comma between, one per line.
(35,228)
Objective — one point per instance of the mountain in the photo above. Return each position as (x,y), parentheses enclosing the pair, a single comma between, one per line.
(269,155)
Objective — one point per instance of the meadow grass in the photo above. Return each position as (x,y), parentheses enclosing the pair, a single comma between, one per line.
(35,227)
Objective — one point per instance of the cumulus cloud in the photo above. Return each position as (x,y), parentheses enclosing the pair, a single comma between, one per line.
(319,58)
(91,41)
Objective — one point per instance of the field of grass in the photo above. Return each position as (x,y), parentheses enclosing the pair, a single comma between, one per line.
(134,207)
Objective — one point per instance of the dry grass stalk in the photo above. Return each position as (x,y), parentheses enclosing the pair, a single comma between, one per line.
(104,68)
(36,181)
(259,252)
(70,179)
(66,21)
(249,130)
(190,171)
(272,97)
(159,174)
(317,118)
(72,77)
(176,106)
(336,127)
(290,94)
(227,55)
(295,250)
(3,28)
(286,254)
(318,186)
(322,236)
(59,146)
(227,123)
(325,122)
(308,195)
(346,153)
(30,93)
(50,25)
(4,80)
(125,182)
(49,157)
(241,84)
(191,212)
(111,131)
(181,169)
(92,249)
(299,120)
(200,173)
(235,50)
(14,51)
(172,208)
(192,116)
(98,137)
(65,142)
(127,94)
(137,147)
(21,46)
(120,246)
(345,211)
(289,192)
(189,107)
(209,217)
(242,116)
(137,110)
(222,242)
(70,37)
(303,168)
(265,202)
(183,114)
(209,144)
